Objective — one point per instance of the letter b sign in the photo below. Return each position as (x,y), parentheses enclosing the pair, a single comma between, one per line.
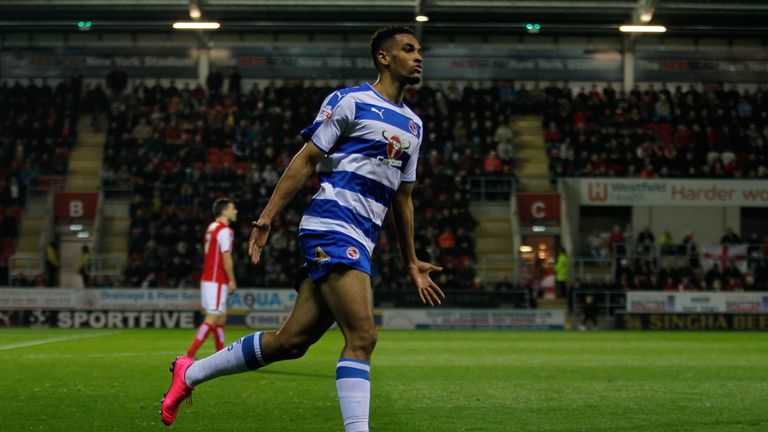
(75,206)
(76,209)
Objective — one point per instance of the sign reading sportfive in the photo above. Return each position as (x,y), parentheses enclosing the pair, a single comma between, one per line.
(672,192)
(122,319)
(99,319)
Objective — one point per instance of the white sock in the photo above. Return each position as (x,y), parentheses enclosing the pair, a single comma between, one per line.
(242,355)
(353,383)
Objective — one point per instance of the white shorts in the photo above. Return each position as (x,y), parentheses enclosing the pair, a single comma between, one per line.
(213,297)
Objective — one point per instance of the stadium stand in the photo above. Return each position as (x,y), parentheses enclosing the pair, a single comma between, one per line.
(37,132)
(676,265)
(711,133)
(706,132)
(179,149)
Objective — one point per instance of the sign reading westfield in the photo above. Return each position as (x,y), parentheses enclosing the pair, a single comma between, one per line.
(673,192)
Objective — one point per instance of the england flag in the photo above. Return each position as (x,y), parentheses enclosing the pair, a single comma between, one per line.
(724,254)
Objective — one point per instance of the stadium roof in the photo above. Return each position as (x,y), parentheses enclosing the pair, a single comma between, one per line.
(717,17)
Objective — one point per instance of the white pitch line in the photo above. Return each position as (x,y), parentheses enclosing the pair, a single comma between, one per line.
(53,340)
(89,355)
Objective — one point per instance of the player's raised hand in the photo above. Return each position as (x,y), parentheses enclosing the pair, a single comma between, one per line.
(259,236)
(428,290)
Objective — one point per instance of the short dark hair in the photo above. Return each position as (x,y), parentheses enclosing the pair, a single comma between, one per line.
(219,205)
(384,35)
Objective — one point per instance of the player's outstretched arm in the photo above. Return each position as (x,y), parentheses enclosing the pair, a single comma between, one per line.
(302,166)
(418,271)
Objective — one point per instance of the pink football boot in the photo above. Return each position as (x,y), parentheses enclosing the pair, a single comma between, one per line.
(179,390)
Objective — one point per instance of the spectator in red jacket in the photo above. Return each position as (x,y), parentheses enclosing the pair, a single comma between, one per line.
(492,164)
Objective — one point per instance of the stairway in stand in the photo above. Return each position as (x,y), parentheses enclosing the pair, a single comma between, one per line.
(84,175)
(30,245)
(115,230)
(494,243)
(531,155)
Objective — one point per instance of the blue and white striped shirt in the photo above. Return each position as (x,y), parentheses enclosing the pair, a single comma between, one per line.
(371,146)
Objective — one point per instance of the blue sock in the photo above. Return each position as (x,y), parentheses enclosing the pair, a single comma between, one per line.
(353,383)
(242,355)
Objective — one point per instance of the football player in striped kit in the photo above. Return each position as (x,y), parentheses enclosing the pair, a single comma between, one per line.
(364,147)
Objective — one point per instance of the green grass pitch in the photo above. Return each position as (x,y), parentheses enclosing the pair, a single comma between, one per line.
(112,380)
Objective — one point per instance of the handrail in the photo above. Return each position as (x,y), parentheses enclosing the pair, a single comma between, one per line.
(47,231)
(517,238)
(96,234)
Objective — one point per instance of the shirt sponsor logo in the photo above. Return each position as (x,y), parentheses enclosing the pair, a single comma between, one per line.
(395,148)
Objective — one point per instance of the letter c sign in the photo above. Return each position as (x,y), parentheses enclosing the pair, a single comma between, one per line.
(538,209)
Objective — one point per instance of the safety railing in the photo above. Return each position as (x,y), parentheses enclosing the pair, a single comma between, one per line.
(26,265)
(518,299)
(659,255)
(491,188)
(606,302)
(30,265)
(654,253)
(486,262)
(112,190)
(42,186)
(106,265)
(592,269)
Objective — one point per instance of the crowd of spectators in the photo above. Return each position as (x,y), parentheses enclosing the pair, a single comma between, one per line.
(178,148)
(37,131)
(708,132)
(645,263)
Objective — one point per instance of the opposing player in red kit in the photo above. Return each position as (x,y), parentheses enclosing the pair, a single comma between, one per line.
(218,279)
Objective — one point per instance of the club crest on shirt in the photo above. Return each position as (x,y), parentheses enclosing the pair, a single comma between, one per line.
(395,148)
(353,253)
(321,257)
(412,127)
